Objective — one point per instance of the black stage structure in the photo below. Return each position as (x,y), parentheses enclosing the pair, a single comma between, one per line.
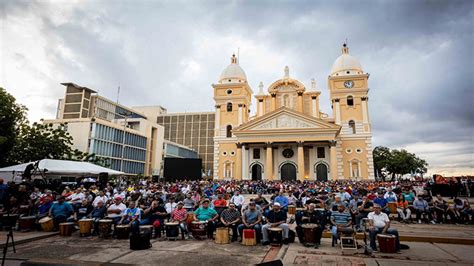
(182,169)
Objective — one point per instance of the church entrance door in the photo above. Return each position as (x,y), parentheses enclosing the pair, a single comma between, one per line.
(256,172)
(288,172)
(322,172)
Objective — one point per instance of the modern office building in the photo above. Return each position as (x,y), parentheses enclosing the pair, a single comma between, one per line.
(129,141)
(194,130)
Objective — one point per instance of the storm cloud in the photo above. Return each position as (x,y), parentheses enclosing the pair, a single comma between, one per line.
(419,55)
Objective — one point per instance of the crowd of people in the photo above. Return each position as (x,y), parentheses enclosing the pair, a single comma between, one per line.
(338,206)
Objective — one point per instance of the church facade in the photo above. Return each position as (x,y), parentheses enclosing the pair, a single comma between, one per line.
(289,138)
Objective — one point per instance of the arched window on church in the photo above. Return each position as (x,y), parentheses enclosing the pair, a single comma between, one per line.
(229,107)
(350,101)
(352,126)
(229,131)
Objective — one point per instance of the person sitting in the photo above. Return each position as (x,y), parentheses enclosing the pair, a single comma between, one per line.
(231,218)
(238,200)
(43,208)
(179,215)
(60,211)
(383,202)
(402,208)
(282,200)
(82,211)
(262,202)
(341,222)
(364,208)
(98,213)
(420,205)
(189,203)
(154,215)
(313,217)
(116,209)
(337,201)
(101,197)
(206,214)
(220,203)
(170,205)
(440,207)
(390,196)
(131,216)
(251,219)
(379,223)
(276,218)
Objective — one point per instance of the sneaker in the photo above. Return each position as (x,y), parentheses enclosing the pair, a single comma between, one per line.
(433,222)
(419,221)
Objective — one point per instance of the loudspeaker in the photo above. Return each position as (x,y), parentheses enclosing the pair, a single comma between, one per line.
(140,241)
(103,179)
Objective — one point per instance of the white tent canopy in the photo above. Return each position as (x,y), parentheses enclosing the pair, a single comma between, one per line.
(63,167)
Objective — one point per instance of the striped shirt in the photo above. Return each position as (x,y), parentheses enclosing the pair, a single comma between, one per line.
(341,217)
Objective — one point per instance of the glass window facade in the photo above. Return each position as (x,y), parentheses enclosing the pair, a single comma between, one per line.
(111,143)
(180,152)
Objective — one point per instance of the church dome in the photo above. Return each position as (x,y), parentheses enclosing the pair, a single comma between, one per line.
(346,64)
(233,73)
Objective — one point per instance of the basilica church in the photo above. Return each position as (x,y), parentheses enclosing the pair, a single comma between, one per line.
(289,138)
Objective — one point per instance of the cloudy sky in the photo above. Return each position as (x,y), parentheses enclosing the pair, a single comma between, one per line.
(419,55)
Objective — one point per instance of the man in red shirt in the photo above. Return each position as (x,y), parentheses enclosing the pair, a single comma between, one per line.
(220,201)
(179,215)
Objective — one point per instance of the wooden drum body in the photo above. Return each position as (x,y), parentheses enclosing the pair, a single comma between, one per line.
(275,234)
(47,224)
(122,231)
(146,229)
(222,235)
(105,225)
(309,233)
(85,227)
(249,237)
(199,229)
(392,206)
(172,231)
(291,209)
(26,223)
(387,243)
(65,229)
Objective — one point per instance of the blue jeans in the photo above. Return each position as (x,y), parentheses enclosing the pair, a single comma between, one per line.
(373,235)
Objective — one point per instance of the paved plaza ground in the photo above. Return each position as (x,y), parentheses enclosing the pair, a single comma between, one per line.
(429,245)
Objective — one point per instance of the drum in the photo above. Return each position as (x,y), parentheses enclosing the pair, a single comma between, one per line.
(309,233)
(249,237)
(392,206)
(222,235)
(85,227)
(189,218)
(291,209)
(172,230)
(275,234)
(345,231)
(146,229)
(122,231)
(387,243)
(105,225)
(47,224)
(65,229)
(24,209)
(26,223)
(199,229)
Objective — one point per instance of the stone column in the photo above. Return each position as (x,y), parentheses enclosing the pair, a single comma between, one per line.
(238,162)
(245,166)
(299,106)
(300,161)
(337,111)
(260,107)
(365,112)
(240,115)
(218,121)
(273,103)
(231,171)
(269,162)
(333,159)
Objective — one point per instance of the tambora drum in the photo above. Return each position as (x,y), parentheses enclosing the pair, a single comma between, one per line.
(47,224)
(392,206)
(172,230)
(26,223)
(65,229)
(199,229)
(249,237)
(146,229)
(276,236)
(309,232)
(105,225)
(387,243)
(85,227)
(291,209)
(222,235)
(122,231)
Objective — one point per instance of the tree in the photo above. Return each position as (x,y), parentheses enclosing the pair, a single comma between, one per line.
(397,162)
(12,116)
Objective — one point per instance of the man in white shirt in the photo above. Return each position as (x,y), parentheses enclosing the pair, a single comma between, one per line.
(380,224)
(101,197)
(76,198)
(116,210)
(238,200)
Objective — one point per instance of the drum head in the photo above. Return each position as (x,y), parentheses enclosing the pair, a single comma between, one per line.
(276,229)
(45,219)
(105,221)
(309,226)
